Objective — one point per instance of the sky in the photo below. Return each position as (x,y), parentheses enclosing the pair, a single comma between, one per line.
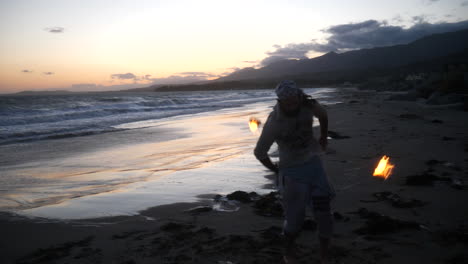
(83,45)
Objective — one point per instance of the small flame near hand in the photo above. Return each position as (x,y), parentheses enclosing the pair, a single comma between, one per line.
(254,123)
(384,169)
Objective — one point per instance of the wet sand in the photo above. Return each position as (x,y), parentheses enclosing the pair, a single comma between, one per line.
(418,215)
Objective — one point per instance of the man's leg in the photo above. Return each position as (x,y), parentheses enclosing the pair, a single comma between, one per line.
(323,216)
(294,203)
(294,199)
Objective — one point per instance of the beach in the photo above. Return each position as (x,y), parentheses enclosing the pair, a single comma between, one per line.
(150,215)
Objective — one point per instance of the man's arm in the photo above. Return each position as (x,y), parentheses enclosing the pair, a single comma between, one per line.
(263,145)
(267,163)
(322,116)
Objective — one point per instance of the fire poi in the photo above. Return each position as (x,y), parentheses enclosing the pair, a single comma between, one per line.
(254,123)
(384,168)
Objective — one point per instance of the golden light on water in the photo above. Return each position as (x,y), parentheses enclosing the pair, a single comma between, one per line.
(254,123)
(384,168)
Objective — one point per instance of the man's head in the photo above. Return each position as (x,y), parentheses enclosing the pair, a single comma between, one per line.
(289,97)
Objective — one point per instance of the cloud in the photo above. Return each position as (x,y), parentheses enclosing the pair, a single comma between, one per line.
(48,73)
(290,51)
(250,62)
(366,34)
(55,29)
(465,3)
(123,76)
(180,78)
(397,19)
(430,2)
(26,71)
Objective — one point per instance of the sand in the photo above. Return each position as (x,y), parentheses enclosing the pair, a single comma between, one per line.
(420,220)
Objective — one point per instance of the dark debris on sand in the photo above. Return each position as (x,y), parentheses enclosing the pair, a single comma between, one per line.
(79,249)
(425,178)
(339,217)
(240,196)
(200,209)
(396,201)
(410,116)
(185,243)
(451,237)
(378,224)
(449,172)
(269,205)
(336,135)
(265,205)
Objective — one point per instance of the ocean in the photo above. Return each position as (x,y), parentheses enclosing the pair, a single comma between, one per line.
(38,117)
(104,154)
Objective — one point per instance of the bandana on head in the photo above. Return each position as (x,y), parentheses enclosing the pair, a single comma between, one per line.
(287,88)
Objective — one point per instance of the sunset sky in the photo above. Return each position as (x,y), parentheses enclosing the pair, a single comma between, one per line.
(103,44)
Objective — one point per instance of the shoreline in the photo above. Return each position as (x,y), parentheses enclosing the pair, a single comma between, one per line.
(419,141)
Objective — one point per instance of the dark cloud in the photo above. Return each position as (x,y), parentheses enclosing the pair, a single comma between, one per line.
(366,34)
(48,73)
(272,59)
(26,71)
(419,19)
(465,3)
(430,2)
(55,29)
(290,51)
(226,73)
(229,71)
(124,76)
(398,19)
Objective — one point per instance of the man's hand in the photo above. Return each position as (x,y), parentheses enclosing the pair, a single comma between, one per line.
(323,142)
(267,163)
(322,116)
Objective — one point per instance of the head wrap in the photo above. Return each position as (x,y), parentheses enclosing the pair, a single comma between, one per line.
(287,88)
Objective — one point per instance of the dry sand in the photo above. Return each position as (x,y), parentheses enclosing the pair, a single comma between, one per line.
(376,221)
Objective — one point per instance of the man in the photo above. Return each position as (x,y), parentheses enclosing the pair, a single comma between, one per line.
(302,179)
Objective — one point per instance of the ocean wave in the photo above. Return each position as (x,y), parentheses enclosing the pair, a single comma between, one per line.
(26,118)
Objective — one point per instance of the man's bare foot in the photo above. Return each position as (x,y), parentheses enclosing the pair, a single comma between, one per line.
(290,256)
(324,250)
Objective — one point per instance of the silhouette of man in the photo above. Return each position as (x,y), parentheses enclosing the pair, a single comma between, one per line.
(302,178)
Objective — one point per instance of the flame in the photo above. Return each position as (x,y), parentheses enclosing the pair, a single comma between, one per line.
(254,123)
(384,169)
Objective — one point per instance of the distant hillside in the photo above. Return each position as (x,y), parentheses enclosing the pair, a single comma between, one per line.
(332,78)
(55,92)
(424,49)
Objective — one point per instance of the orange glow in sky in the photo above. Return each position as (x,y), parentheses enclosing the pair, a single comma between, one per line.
(56,44)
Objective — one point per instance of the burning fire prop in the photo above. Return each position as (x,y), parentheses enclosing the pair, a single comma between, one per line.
(384,169)
(254,123)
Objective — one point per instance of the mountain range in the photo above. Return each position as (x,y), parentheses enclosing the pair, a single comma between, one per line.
(433,50)
(424,49)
